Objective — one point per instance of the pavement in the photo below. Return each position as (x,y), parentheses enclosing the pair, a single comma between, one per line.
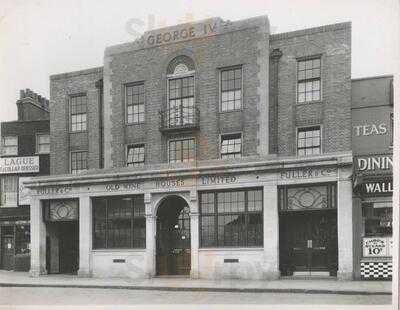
(284,285)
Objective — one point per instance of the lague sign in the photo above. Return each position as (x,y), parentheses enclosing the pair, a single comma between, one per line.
(10,165)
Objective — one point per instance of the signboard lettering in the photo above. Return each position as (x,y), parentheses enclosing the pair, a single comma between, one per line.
(181,34)
(308,173)
(370,129)
(218,179)
(374,163)
(170,183)
(122,187)
(54,190)
(377,247)
(378,187)
(28,164)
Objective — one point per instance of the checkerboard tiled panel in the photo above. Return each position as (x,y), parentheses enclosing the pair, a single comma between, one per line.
(376,270)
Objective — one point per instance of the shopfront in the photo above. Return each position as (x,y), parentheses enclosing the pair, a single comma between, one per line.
(374,187)
(253,221)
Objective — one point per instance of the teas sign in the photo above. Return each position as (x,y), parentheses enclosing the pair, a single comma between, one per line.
(10,165)
(377,247)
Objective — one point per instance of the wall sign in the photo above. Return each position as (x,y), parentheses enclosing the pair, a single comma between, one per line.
(10,165)
(377,247)
(122,186)
(383,187)
(370,129)
(54,190)
(181,33)
(170,183)
(374,163)
(218,179)
(308,173)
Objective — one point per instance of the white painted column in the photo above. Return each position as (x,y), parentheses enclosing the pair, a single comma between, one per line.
(150,265)
(194,235)
(85,236)
(271,232)
(345,229)
(38,239)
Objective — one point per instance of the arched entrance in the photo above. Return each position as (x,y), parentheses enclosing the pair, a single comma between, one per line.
(173,237)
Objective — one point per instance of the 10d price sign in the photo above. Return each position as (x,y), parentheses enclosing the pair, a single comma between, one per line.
(377,247)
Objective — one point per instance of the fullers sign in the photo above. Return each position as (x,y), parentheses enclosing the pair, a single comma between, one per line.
(181,33)
(9,165)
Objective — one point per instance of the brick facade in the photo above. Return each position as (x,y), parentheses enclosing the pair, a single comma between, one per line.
(269,117)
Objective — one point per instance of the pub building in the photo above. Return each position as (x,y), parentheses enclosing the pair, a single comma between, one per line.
(212,149)
(372,115)
(24,152)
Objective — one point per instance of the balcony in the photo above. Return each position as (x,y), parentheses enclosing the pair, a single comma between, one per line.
(179,119)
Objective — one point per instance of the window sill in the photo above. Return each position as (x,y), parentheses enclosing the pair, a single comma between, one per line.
(231,111)
(232,249)
(80,131)
(134,124)
(310,102)
(118,250)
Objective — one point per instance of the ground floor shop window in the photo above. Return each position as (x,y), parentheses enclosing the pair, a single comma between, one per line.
(378,219)
(22,239)
(231,218)
(119,222)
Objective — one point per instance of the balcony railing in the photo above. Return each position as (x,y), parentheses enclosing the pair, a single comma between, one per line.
(179,118)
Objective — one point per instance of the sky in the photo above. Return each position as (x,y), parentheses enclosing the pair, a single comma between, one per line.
(39,38)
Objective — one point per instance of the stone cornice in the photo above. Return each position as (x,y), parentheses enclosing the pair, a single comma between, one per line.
(254,166)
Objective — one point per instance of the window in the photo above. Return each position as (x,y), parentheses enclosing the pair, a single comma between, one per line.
(182,150)
(231,89)
(22,239)
(181,110)
(135,103)
(378,217)
(231,146)
(309,141)
(309,80)
(119,222)
(78,106)
(78,162)
(10,145)
(231,218)
(42,144)
(9,190)
(135,155)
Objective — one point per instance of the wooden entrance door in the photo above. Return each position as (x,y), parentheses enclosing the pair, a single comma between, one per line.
(7,250)
(173,239)
(308,241)
(68,247)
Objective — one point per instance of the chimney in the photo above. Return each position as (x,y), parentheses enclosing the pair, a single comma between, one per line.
(32,106)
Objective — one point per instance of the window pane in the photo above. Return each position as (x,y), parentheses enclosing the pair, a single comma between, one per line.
(309,141)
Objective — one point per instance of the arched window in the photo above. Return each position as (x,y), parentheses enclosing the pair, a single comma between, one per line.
(181,92)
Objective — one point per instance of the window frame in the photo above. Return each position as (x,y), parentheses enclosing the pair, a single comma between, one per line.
(37,142)
(306,58)
(229,68)
(175,77)
(4,146)
(230,134)
(320,139)
(83,94)
(125,88)
(70,161)
(141,164)
(9,176)
(182,139)
(106,222)
(215,215)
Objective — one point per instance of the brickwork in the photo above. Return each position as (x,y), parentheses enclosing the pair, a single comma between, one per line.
(62,142)
(332,112)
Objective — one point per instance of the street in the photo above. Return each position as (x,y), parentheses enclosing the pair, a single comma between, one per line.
(90,296)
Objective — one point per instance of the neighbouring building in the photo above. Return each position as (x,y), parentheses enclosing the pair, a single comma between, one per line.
(372,114)
(212,149)
(25,148)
